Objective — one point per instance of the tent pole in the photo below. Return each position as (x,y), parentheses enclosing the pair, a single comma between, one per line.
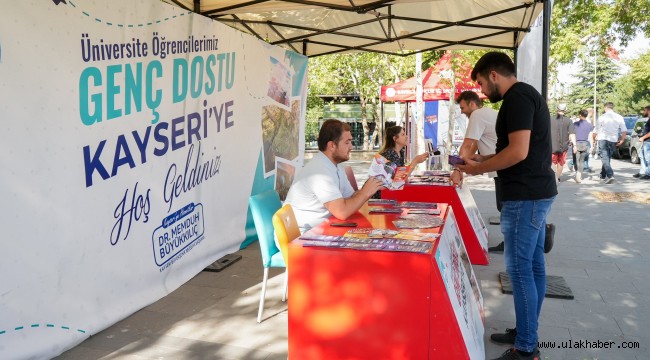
(546,40)
(383,124)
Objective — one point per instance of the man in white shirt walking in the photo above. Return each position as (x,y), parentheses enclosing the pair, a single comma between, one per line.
(610,127)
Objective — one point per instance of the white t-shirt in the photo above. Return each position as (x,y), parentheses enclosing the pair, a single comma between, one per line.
(609,125)
(318,182)
(481,127)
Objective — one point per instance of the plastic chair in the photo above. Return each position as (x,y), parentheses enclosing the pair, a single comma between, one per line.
(286,230)
(350,174)
(263,207)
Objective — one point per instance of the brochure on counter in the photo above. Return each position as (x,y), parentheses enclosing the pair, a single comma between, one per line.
(394,177)
(418,221)
(428,177)
(357,243)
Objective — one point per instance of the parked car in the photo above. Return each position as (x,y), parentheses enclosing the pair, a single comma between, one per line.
(635,144)
(624,150)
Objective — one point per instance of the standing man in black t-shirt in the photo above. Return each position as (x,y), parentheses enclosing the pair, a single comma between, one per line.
(528,188)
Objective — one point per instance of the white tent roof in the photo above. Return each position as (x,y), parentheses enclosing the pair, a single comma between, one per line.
(323,27)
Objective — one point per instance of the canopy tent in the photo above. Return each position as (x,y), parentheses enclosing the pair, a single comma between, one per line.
(314,28)
(434,86)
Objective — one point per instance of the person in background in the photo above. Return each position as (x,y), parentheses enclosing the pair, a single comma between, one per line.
(610,126)
(321,189)
(560,129)
(579,137)
(644,137)
(528,189)
(394,150)
(394,147)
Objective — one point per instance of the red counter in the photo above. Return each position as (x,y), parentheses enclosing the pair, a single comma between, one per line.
(354,304)
(472,227)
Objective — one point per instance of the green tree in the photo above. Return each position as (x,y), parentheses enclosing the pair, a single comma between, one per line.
(361,74)
(633,88)
(581,95)
(575,21)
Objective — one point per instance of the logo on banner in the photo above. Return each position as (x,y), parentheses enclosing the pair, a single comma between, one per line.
(178,234)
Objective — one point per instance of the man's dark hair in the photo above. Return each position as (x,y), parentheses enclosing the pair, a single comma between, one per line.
(583,113)
(331,130)
(494,61)
(647,107)
(609,105)
(469,96)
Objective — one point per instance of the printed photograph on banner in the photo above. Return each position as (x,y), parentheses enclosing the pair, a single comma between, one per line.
(279,83)
(285,172)
(280,132)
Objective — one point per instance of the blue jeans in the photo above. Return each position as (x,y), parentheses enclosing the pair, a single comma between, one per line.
(572,162)
(523,224)
(645,159)
(606,149)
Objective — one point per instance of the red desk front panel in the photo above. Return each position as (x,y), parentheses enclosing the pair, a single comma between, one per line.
(353,304)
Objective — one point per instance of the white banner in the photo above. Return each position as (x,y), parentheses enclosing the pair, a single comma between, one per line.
(529,54)
(462,287)
(134,134)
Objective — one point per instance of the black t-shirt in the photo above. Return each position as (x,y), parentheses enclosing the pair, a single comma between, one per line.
(533,178)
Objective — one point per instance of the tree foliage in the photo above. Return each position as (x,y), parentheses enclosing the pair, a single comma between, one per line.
(581,94)
(633,89)
(573,22)
(361,74)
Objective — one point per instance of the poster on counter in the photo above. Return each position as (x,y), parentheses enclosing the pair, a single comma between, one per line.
(462,287)
(474,216)
(135,133)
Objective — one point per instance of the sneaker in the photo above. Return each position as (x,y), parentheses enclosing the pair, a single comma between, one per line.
(578,178)
(514,354)
(637,175)
(645,177)
(609,180)
(505,338)
(498,248)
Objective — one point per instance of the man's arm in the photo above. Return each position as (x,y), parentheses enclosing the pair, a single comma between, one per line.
(468,148)
(572,141)
(623,129)
(343,208)
(620,142)
(515,152)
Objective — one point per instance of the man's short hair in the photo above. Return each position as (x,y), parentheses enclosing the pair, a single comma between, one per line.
(469,96)
(331,130)
(609,105)
(583,113)
(493,61)
(647,107)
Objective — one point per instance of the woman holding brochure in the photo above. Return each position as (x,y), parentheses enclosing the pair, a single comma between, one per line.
(394,149)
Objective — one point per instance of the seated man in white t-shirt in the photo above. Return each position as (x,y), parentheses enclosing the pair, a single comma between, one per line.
(321,189)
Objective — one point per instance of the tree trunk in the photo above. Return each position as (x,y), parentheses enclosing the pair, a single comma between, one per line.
(364,121)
